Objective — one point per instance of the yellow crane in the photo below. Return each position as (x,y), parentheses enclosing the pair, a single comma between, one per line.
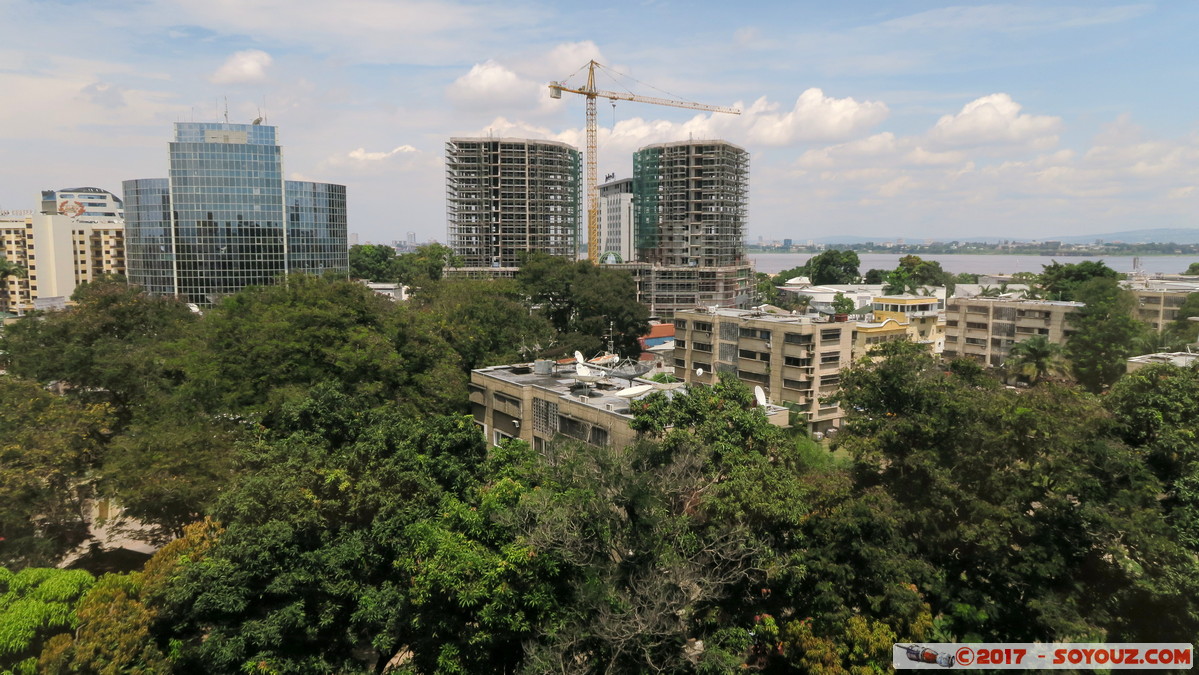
(589,91)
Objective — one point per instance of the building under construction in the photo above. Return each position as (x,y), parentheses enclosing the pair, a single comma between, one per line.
(506,197)
(689,201)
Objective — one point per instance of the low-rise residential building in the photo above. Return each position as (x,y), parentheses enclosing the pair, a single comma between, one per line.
(1158,307)
(862,295)
(541,401)
(796,359)
(985,328)
(916,318)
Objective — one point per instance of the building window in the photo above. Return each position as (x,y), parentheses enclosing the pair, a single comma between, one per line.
(702,347)
(830,335)
(829,358)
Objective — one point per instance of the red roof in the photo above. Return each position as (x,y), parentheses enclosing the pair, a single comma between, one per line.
(660,330)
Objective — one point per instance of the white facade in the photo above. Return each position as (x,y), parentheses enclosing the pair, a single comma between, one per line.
(616,220)
(76,236)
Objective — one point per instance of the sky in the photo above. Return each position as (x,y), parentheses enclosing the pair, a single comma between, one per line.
(883,119)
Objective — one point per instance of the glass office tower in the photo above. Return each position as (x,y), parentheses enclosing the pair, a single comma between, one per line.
(226,219)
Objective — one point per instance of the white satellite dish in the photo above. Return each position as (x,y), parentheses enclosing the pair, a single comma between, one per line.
(632,392)
(578,356)
(585,374)
(759,395)
(699,372)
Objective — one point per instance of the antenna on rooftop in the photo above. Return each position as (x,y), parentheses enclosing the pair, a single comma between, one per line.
(226,110)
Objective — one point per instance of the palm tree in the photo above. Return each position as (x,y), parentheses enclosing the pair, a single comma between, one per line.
(8,269)
(1036,358)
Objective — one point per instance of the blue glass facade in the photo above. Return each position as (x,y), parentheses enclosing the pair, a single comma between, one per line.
(230,217)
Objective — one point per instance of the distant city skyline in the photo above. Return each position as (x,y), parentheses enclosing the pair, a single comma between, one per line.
(901,119)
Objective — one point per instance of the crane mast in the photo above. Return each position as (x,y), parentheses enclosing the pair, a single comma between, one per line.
(591,93)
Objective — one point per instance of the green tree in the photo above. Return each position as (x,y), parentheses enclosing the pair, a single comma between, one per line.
(842,304)
(1105,333)
(585,303)
(114,345)
(1182,330)
(767,292)
(116,618)
(35,605)
(265,344)
(1193,269)
(1154,408)
(833,267)
(1022,501)
(8,269)
(49,448)
(1036,359)
(425,265)
(355,536)
(170,465)
(876,276)
(373,262)
(1062,282)
(486,321)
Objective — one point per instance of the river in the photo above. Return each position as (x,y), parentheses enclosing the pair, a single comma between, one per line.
(773,263)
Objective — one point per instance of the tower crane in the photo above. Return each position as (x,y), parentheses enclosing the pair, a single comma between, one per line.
(589,91)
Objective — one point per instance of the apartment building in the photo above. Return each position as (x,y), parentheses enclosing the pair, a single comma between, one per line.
(902,317)
(1158,307)
(542,401)
(77,235)
(795,359)
(985,328)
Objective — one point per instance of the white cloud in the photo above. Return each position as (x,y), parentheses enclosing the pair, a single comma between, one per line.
(244,67)
(814,117)
(491,85)
(993,120)
(362,155)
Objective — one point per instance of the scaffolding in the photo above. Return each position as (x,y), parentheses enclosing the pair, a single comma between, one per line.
(506,197)
(691,201)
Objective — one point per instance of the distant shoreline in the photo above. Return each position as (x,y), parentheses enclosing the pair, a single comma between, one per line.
(1059,254)
(984,263)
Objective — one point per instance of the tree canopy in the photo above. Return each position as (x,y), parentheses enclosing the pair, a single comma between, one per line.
(585,303)
(1062,282)
(1024,501)
(1104,335)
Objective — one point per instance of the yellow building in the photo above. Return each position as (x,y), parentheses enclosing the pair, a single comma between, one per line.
(77,236)
(902,317)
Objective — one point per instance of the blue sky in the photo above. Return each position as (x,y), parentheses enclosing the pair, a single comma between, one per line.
(884,119)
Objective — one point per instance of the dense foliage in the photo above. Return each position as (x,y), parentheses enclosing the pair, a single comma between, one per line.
(333,510)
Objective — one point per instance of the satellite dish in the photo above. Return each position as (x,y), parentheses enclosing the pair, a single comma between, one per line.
(699,372)
(578,356)
(585,374)
(634,391)
(759,395)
